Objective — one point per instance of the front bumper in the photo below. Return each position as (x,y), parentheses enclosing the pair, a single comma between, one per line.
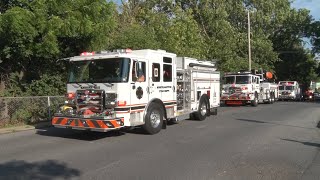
(238,97)
(101,125)
(316,98)
(235,102)
(286,97)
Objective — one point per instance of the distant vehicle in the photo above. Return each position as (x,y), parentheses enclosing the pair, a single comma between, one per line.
(249,87)
(316,96)
(308,95)
(289,90)
(315,89)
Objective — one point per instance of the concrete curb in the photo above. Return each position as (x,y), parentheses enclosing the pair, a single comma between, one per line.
(25,127)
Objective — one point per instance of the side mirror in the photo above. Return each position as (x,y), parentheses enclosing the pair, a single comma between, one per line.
(136,65)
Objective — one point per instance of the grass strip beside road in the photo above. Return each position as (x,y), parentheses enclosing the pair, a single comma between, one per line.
(24,127)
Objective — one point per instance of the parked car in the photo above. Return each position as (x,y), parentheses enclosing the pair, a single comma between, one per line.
(308,95)
(316,96)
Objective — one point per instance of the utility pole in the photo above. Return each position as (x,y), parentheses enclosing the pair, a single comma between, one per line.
(249,40)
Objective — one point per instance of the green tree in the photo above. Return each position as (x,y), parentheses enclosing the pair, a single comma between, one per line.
(160,25)
(34,34)
(314,34)
(296,63)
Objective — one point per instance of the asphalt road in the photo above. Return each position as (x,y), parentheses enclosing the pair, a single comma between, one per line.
(279,141)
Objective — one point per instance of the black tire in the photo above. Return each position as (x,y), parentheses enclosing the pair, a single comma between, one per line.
(224,104)
(254,102)
(153,119)
(269,99)
(272,98)
(203,109)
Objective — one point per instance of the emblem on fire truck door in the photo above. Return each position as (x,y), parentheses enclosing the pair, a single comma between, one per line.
(139,92)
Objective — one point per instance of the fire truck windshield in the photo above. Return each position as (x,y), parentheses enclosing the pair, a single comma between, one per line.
(243,79)
(101,70)
(229,80)
(290,88)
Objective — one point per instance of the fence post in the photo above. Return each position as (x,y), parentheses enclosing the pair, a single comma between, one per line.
(6,110)
(49,109)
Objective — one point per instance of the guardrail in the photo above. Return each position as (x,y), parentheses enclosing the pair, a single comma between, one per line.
(28,110)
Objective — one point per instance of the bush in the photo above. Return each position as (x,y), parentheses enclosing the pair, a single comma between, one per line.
(20,116)
(27,110)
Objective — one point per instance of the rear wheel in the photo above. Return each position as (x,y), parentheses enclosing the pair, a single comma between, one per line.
(269,98)
(153,119)
(203,110)
(272,98)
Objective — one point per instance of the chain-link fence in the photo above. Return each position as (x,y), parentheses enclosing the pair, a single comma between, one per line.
(28,110)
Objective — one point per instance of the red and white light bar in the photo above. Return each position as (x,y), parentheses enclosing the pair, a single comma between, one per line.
(87,54)
(106,52)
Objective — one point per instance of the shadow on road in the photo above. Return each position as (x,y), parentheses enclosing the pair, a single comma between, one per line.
(267,122)
(77,134)
(303,142)
(249,120)
(38,170)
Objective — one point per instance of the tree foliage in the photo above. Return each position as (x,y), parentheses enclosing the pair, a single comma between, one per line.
(34,34)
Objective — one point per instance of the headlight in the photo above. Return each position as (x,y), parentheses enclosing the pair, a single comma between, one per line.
(67,110)
(110,100)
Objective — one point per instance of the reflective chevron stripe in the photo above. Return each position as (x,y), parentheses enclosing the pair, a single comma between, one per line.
(88,123)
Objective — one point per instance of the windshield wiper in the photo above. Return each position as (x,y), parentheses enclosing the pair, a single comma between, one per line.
(108,84)
(78,85)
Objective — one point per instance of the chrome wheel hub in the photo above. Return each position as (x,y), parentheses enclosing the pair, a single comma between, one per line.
(155,119)
(203,109)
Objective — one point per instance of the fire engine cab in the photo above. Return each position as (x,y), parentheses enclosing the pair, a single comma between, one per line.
(249,87)
(111,90)
(289,90)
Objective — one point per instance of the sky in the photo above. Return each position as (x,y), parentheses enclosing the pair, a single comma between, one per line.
(312,5)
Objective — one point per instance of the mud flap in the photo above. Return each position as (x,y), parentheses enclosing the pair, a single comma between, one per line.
(213,111)
(164,124)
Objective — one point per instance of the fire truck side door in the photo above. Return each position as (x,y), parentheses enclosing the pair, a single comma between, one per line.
(161,75)
(168,78)
(257,84)
(139,83)
(155,76)
(154,79)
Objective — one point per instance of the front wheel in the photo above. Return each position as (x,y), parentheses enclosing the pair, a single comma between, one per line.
(254,102)
(153,119)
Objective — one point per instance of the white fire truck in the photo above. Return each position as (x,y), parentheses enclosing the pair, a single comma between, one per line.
(249,87)
(289,90)
(111,90)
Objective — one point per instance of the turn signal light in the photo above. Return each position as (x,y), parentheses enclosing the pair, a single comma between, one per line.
(71,95)
(122,103)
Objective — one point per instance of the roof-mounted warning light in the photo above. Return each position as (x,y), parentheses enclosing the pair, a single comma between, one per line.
(123,50)
(243,71)
(87,54)
(115,51)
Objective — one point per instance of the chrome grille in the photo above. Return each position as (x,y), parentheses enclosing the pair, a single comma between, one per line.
(93,98)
